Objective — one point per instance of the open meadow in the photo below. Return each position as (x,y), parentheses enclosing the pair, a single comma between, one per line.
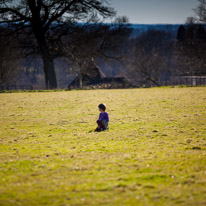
(153,154)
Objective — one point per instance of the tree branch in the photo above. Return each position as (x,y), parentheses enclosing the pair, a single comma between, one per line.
(6,10)
(55,17)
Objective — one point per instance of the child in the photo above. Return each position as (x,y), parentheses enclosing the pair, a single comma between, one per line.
(103,120)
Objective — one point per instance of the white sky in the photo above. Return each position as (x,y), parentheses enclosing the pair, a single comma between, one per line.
(155,11)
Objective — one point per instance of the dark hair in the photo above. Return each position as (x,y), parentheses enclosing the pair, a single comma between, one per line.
(102,106)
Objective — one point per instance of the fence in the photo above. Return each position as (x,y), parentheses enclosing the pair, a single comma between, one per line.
(173,81)
(185,80)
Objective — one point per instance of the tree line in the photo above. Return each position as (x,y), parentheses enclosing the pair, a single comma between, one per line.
(52,30)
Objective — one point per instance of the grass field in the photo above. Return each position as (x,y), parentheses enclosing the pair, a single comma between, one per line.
(153,154)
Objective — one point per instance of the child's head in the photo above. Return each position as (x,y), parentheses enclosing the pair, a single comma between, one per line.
(102,107)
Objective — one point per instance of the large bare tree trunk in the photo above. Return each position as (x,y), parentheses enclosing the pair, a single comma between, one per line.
(49,71)
(50,74)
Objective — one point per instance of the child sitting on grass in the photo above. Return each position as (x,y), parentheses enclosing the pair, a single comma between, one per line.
(103,121)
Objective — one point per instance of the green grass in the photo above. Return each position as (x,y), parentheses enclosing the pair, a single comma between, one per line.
(153,154)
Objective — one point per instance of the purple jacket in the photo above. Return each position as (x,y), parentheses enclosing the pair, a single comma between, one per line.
(104,116)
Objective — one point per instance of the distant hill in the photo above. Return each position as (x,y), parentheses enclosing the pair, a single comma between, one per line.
(137,28)
(140,28)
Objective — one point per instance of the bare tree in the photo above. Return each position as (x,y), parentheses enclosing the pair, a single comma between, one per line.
(148,58)
(145,68)
(41,16)
(90,42)
(191,43)
(200,12)
(190,54)
(10,60)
